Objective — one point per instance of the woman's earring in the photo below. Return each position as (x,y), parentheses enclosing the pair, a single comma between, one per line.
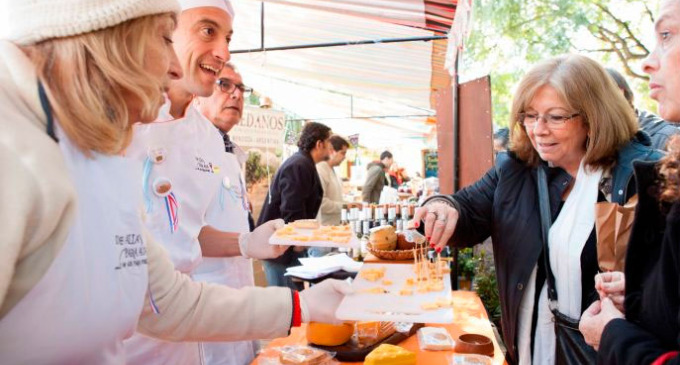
(587,142)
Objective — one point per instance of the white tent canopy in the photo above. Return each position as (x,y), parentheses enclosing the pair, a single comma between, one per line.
(386,86)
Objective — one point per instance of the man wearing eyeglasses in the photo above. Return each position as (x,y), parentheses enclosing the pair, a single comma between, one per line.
(183,164)
(224,108)
(229,211)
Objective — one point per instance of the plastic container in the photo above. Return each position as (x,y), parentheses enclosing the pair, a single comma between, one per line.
(434,339)
(470,359)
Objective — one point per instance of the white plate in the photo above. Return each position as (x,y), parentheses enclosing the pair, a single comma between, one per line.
(316,267)
(353,242)
(392,306)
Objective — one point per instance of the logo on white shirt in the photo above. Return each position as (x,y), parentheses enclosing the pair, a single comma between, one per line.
(132,251)
(204,166)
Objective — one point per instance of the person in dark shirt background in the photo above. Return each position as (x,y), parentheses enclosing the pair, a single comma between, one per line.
(376,179)
(658,129)
(295,194)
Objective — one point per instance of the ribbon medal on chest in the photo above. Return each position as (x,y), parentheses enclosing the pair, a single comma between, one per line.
(161,187)
(237,192)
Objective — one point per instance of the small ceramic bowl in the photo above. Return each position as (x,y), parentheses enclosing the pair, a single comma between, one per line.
(471,343)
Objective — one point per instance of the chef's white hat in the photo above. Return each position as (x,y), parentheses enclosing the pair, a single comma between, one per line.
(221,4)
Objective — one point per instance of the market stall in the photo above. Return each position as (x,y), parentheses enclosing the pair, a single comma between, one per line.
(397,288)
(469,317)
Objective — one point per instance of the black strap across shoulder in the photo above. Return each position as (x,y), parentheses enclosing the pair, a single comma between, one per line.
(544,208)
(570,346)
(48,112)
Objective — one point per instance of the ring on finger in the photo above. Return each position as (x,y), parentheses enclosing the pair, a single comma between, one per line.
(441,218)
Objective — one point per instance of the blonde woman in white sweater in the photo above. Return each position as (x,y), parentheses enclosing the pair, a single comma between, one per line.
(78,273)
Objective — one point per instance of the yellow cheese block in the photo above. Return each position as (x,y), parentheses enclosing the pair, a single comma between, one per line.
(373,274)
(390,355)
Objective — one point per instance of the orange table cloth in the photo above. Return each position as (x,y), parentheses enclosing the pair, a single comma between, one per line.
(469,316)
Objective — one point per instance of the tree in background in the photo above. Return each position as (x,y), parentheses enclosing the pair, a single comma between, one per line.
(509,36)
(256,170)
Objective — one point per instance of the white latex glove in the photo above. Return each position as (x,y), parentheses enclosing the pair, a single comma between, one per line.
(319,303)
(255,244)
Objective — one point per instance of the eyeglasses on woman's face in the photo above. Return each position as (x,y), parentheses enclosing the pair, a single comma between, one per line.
(552,120)
(229,87)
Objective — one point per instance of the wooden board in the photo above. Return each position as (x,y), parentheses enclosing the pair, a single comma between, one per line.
(354,352)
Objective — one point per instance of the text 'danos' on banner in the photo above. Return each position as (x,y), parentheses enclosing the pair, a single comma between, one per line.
(261,129)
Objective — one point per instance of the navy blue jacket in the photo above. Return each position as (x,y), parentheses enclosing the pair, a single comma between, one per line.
(503,204)
(296,193)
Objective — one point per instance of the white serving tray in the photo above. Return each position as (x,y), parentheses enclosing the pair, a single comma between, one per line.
(353,241)
(391,306)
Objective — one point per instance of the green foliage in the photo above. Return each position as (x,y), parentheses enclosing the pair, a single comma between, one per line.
(253,99)
(481,267)
(255,170)
(487,288)
(509,36)
(502,96)
(467,262)
(292,131)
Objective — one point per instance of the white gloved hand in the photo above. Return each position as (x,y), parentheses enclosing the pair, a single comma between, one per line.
(256,244)
(319,303)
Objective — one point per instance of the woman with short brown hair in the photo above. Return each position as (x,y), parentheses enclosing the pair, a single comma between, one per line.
(570,121)
(576,80)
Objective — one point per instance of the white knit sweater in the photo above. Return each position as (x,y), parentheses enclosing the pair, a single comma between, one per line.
(38,205)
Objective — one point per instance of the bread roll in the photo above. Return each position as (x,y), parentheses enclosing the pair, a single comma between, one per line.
(383,238)
(403,243)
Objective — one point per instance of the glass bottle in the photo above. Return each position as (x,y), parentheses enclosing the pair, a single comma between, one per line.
(392,216)
(405,212)
(343,216)
(364,239)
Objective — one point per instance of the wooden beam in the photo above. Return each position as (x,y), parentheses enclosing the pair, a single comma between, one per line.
(475,130)
(446,137)
(443,96)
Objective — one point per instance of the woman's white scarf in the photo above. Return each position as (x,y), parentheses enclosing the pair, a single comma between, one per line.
(566,239)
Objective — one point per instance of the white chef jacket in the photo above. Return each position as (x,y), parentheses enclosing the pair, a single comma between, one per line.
(91,296)
(228,212)
(191,160)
